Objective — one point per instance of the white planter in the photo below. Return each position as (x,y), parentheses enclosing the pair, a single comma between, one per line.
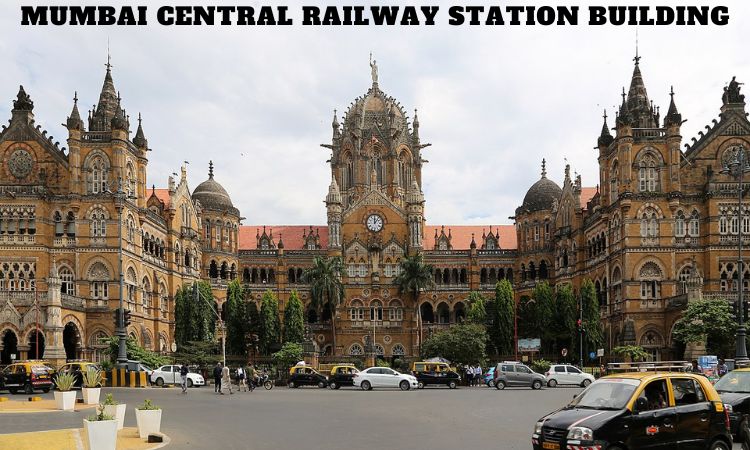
(65,400)
(91,395)
(101,435)
(149,421)
(118,412)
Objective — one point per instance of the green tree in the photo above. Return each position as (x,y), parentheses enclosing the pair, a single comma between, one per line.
(415,277)
(710,321)
(290,353)
(592,321)
(195,313)
(135,352)
(326,288)
(528,318)
(633,352)
(294,319)
(236,319)
(202,354)
(563,323)
(270,325)
(544,309)
(460,344)
(502,324)
(477,313)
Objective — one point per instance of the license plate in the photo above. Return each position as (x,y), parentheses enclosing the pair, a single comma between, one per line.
(551,445)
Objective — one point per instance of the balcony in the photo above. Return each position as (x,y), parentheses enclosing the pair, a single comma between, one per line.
(65,241)
(17,239)
(686,241)
(20,298)
(649,133)
(73,302)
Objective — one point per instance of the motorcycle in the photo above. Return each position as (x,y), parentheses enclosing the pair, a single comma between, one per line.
(261,380)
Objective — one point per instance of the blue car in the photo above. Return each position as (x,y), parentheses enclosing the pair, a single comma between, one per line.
(489,377)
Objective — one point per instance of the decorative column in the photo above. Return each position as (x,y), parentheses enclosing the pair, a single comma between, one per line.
(54,350)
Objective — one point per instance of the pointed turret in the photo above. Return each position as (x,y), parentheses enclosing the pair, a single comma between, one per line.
(108,104)
(623,116)
(415,125)
(473,244)
(334,194)
(640,108)
(673,117)
(414,195)
(605,137)
(335,125)
(140,138)
(74,121)
(119,120)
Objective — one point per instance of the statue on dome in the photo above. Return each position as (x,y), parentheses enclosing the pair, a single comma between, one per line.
(374,70)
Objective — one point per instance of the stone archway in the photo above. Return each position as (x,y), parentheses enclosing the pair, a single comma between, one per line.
(36,337)
(71,340)
(10,347)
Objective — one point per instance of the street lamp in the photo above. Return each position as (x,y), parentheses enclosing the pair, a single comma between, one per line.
(736,165)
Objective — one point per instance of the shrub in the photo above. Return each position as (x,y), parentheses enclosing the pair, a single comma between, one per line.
(99,416)
(92,378)
(64,382)
(147,405)
(540,365)
(109,400)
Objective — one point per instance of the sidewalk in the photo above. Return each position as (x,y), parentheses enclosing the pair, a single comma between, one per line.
(16,406)
(73,439)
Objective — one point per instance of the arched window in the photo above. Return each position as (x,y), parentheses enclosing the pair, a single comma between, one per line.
(723,225)
(163,300)
(356,350)
(98,173)
(99,278)
(130,188)
(650,276)
(649,224)
(614,182)
(398,350)
(679,225)
(376,310)
(356,311)
(146,300)
(362,269)
(694,225)
(57,218)
(648,174)
(130,285)
(396,311)
(98,223)
(66,277)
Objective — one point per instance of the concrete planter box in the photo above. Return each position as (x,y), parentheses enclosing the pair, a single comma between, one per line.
(65,400)
(101,435)
(118,412)
(149,421)
(91,395)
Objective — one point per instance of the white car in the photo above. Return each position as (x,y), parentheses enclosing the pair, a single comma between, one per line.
(170,374)
(567,374)
(384,377)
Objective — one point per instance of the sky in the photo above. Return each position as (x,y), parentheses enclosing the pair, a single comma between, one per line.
(258,101)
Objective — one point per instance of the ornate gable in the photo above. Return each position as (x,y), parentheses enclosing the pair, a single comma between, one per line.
(373,198)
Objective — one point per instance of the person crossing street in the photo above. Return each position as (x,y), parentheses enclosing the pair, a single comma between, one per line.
(217,378)
(183,375)
(226,381)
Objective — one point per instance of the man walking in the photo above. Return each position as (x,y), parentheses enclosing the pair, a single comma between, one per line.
(217,378)
(241,379)
(183,374)
(226,381)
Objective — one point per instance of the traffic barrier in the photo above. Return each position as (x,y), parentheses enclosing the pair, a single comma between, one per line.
(125,378)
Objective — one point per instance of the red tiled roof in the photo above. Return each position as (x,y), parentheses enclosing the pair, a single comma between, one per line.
(461,235)
(290,234)
(587,194)
(163,195)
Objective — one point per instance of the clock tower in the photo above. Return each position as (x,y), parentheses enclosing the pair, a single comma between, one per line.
(375,204)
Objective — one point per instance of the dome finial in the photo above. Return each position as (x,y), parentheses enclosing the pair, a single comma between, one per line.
(374,70)
(210,169)
(544,168)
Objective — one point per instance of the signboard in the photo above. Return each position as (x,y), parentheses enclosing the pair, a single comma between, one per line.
(529,345)
(564,352)
(592,355)
(600,352)
(12,356)
(174,347)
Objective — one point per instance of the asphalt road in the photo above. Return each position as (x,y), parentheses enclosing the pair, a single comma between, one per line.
(311,418)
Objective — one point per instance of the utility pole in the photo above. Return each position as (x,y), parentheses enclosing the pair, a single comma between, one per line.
(580,330)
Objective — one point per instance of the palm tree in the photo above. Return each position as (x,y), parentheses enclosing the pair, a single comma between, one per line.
(326,288)
(415,276)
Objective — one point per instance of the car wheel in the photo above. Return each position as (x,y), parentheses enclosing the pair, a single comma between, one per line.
(13,391)
(45,390)
(333,385)
(420,385)
(452,384)
(719,445)
(500,385)
(552,383)
(189,383)
(404,385)
(160,382)
(585,383)
(491,383)
(28,389)
(321,384)
(291,385)
(366,386)
(536,385)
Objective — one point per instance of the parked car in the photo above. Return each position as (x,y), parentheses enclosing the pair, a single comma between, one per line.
(306,376)
(77,368)
(734,390)
(567,374)
(639,410)
(342,376)
(489,377)
(438,373)
(27,376)
(170,374)
(516,374)
(384,377)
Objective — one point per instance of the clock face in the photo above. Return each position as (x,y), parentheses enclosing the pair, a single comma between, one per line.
(374,223)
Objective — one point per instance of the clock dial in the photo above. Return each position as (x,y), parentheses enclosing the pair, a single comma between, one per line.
(374,223)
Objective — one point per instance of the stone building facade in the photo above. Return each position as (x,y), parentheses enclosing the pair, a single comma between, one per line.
(660,225)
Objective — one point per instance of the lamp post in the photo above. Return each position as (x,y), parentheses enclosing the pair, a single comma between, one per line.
(737,166)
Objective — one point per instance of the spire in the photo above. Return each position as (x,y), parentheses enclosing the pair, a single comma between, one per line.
(211,170)
(280,245)
(473,244)
(23,101)
(638,104)
(673,117)
(544,168)
(605,138)
(334,195)
(74,121)
(108,104)
(119,121)
(335,126)
(623,117)
(140,139)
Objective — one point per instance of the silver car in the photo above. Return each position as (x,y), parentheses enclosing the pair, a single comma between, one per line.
(516,374)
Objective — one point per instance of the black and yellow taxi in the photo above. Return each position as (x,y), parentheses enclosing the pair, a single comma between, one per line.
(734,390)
(27,376)
(639,410)
(77,368)
(306,376)
(342,375)
(435,373)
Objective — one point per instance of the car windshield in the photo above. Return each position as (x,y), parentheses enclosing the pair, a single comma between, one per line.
(734,382)
(608,393)
(40,370)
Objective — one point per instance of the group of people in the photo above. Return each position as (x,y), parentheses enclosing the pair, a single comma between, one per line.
(474,375)
(223,381)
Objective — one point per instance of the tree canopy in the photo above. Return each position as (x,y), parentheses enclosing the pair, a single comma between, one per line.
(236,319)
(294,319)
(460,344)
(270,326)
(477,313)
(710,321)
(195,314)
(502,324)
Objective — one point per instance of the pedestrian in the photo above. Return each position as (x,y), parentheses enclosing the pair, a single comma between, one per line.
(183,374)
(226,381)
(217,378)
(241,384)
(695,368)
(477,375)
(469,375)
(721,368)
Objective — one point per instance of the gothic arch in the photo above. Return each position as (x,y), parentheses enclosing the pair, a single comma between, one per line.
(649,205)
(93,269)
(648,151)
(649,264)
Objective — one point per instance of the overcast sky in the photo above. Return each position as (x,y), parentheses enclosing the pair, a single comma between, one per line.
(493,101)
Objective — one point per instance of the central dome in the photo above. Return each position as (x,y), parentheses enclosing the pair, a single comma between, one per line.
(211,194)
(541,195)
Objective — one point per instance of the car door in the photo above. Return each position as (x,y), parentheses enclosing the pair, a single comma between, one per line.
(655,425)
(574,375)
(509,374)
(173,370)
(390,378)
(693,413)
(524,375)
(560,374)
